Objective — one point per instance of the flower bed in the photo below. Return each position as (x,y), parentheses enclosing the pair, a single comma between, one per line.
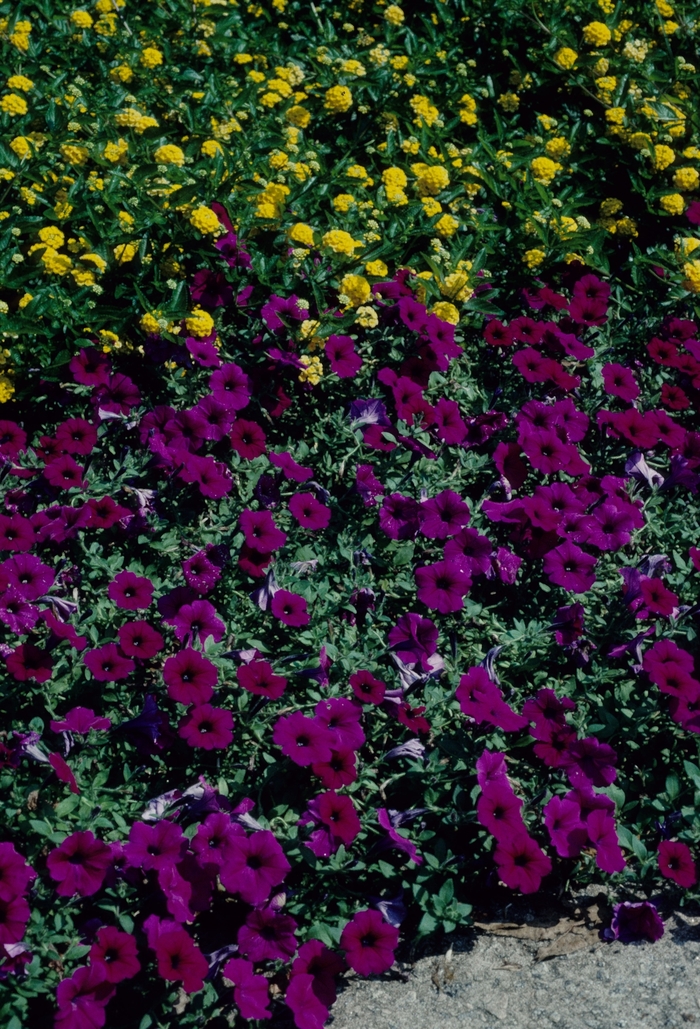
(350,461)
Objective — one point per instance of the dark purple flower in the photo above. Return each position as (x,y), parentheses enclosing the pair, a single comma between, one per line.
(155,846)
(289,467)
(303,739)
(593,763)
(130,591)
(309,512)
(79,864)
(81,720)
(344,361)
(230,385)
(368,412)
(367,484)
(260,531)
(308,1010)
(258,677)
(117,953)
(252,866)
(521,863)
(442,586)
(366,688)
(82,999)
(210,728)
(414,639)
(198,620)
(341,717)
(267,935)
(443,515)
(247,439)
(390,821)
(399,517)
(251,992)
(290,608)
(570,567)
(179,958)
(64,473)
(565,826)
(676,862)
(29,576)
(633,922)
(190,677)
(369,943)
(498,810)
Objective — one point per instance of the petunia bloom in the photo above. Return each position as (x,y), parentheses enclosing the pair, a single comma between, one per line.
(369,943)
(210,728)
(117,953)
(130,591)
(676,862)
(79,864)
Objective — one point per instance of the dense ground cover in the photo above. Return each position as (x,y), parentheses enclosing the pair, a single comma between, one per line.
(350,451)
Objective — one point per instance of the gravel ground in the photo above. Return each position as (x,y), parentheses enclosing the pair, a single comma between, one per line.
(537,973)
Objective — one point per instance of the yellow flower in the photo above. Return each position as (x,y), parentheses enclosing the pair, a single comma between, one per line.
(25,299)
(204,220)
(341,242)
(122,73)
(534,257)
(81,19)
(99,262)
(664,9)
(21,146)
(376,268)
(544,169)
(596,33)
(447,225)
(242,58)
(151,58)
(20,82)
(691,270)
(133,119)
(557,147)
(615,115)
(509,101)
(343,202)
(446,312)
(431,207)
(52,236)
(394,15)
(299,116)
(566,58)
(126,220)
(626,227)
(149,323)
(338,99)
(393,178)
(114,152)
(312,371)
(356,171)
(663,156)
(546,122)
(169,154)
(301,233)
(367,317)
(669,27)
(211,147)
(431,180)
(352,67)
(6,389)
(672,203)
(200,323)
(686,178)
(13,104)
(73,154)
(125,252)
(55,263)
(467,113)
(426,113)
(356,288)
(399,62)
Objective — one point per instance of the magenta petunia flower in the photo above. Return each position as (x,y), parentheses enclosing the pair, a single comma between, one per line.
(610,526)
(309,512)
(344,360)
(442,586)
(449,425)
(210,728)
(498,809)
(82,999)
(260,531)
(190,677)
(289,467)
(253,866)
(198,620)
(570,567)
(230,385)
(29,576)
(521,863)
(593,763)
(620,382)
(212,843)
(76,436)
(258,677)
(247,439)
(212,477)
(491,768)
(139,639)
(201,573)
(79,864)
(414,639)
(63,772)
(155,846)
(15,873)
(443,515)
(369,943)
(341,717)
(676,862)
(635,921)
(366,688)
(471,551)
(303,739)
(105,513)
(337,813)
(267,935)
(399,517)
(482,700)
(565,826)
(14,915)
(130,591)
(117,953)
(602,833)
(308,1010)
(658,599)
(339,770)
(290,608)
(16,533)
(251,992)
(29,662)
(547,711)
(81,720)
(64,473)
(107,664)
(179,958)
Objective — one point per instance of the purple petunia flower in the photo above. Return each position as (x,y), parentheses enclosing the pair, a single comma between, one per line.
(107,664)
(344,360)
(289,467)
(29,576)
(79,864)
(498,809)
(247,439)
(309,512)
(570,567)
(260,530)
(230,385)
(80,720)
(252,866)
(267,935)
(399,517)
(251,992)
(130,591)
(290,608)
(367,484)
(368,412)
(442,585)
(633,922)
(82,998)
(390,821)
(210,728)
(303,739)
(521,863)
(337,822)
(414,639)
(155,846)
(139,639)
(198,620)
(443,515)
(369,943)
